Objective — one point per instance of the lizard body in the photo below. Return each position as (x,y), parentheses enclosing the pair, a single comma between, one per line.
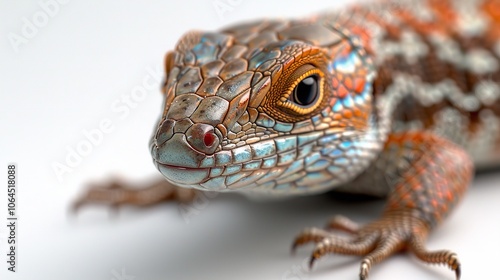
(388,70)
(393,98)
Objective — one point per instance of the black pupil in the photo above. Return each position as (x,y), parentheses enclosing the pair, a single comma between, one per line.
(306,91)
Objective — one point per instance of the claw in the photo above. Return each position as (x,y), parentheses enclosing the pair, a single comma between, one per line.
(437,257)
(454,264)
(365,268)
(309,235)
(312,261)
(295,245)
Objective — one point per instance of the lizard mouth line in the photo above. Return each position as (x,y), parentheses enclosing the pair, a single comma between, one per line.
(180,167)
(183,175)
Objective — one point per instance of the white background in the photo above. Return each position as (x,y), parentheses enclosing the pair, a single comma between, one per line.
(65,78)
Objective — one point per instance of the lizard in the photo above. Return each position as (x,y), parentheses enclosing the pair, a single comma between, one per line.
(394,99)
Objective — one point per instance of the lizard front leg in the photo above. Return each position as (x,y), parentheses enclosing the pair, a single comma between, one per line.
(429,176)
(118,193)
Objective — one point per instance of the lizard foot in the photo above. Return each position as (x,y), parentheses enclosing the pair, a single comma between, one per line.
(395,231)
(117,193)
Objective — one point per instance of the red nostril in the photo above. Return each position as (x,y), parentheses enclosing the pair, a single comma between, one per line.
(209,139)
(202,137)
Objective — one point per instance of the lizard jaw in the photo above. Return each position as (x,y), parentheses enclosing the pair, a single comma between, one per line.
(183,175)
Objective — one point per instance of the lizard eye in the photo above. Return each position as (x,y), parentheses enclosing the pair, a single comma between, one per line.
(306,92)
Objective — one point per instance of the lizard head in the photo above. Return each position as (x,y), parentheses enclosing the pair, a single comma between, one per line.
(249,108)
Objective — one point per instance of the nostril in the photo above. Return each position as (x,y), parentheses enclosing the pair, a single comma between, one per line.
(209,138)
(202,137)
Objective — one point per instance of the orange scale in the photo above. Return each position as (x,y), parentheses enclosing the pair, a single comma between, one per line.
(434,203)
(357,112)
(333,101)
(335,82)
(347,114)
(359,85)
(340,76)
(405,197)
(449,196)
(440,194)
(411,204)
(342,91)
(361,33)
(349,83)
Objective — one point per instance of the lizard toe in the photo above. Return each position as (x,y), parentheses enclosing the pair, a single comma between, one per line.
(377,241)
(117,194)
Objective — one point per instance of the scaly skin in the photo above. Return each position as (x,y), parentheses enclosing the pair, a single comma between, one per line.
(408,102)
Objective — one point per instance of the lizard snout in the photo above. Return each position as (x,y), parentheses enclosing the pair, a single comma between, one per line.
(199,136)
(184,143)
(179,148)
